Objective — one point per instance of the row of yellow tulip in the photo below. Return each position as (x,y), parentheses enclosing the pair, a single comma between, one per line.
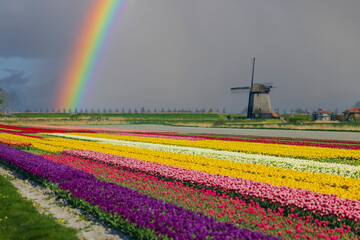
(323,183)
(35,142)
(293,151)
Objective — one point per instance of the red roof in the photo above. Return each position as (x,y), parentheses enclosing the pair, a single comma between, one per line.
(355,110)
(321,111)
(275,115)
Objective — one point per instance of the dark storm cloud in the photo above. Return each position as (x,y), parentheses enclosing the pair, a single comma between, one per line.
(188,54)
(15,79)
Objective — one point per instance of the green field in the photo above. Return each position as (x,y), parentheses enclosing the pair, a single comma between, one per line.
(294,121)
(19,218)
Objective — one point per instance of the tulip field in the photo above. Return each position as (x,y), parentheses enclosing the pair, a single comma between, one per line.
(166,185)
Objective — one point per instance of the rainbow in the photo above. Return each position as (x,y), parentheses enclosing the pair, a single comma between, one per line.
(86,52)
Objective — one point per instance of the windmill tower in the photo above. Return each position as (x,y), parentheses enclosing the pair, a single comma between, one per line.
(259,105)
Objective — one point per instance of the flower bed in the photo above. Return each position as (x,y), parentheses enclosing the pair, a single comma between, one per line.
(166,218)
(14,143)
(279,162)
(322,183)
(92,129)
(221,207)
(324,204)
(307,152)
(37,130)
(216,185)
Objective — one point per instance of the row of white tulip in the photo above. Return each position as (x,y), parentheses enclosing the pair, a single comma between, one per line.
(279,162)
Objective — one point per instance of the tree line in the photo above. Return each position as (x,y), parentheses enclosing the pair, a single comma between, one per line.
(130,110)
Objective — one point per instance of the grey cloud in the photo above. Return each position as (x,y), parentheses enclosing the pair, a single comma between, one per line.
(14,79)
(8,70)
(38,28)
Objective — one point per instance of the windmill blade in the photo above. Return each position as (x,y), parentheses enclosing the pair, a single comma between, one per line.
(240,90)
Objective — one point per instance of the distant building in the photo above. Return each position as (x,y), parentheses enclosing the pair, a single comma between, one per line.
(275,115)
(354,113)
(321,115)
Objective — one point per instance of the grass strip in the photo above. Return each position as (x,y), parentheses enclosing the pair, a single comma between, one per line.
(19,219)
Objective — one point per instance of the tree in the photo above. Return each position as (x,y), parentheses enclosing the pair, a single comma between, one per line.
(299,111)
(346,113)
(4,100)
(13,101)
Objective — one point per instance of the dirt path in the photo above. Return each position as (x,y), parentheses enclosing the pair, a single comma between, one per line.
(257,132)
(45,201)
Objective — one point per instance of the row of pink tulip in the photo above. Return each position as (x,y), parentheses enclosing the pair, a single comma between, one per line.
(322,204)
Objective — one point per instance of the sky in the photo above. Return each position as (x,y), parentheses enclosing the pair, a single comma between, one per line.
(188,54)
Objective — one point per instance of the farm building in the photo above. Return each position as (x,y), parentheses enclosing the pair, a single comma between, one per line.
(321,115)
(354,113)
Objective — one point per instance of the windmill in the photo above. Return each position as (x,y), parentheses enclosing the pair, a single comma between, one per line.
(259,105)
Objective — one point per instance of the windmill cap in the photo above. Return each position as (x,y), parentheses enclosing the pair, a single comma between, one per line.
(260,88)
